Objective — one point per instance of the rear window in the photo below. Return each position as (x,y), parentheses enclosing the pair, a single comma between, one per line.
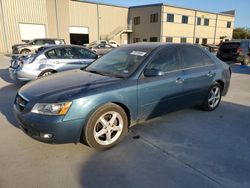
(233,45)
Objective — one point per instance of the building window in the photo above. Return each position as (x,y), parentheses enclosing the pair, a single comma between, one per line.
(137,20)
(153,39)
(183,40)
(170,18)
(184,20)
(154,18)
(144,40)
(206,21)
(228,24)
(197,41)
(198,20)
(136,40)
(169,39)
(204,41)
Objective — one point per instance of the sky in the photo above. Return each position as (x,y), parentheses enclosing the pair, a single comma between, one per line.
(242,7)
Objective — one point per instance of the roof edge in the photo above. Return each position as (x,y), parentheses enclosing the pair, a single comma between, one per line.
(226,13)
(99,3)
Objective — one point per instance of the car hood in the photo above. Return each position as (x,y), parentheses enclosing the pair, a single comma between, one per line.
(67,85)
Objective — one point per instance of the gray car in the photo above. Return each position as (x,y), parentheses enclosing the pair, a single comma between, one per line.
(33,45)
(50,59)
(101,49)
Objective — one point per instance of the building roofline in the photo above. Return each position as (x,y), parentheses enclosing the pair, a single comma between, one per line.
(147,5)
(174,6)
(154,5)
(99,3)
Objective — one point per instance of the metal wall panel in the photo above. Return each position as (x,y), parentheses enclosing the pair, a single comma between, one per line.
(22,11)
(84,15)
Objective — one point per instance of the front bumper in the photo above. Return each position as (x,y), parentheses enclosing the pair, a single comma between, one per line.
(37,125)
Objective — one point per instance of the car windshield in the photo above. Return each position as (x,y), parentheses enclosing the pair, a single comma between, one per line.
(121,62)
(31,42)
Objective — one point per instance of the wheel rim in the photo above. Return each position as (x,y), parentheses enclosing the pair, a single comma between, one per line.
(25,52)
(214,97)
(108,128)
(46,73)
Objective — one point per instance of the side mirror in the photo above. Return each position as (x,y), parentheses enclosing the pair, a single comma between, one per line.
(153,73)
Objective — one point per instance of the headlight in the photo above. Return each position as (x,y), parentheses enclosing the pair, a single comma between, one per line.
(51,108)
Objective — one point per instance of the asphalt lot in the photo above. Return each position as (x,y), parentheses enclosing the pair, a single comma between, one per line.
(188,148)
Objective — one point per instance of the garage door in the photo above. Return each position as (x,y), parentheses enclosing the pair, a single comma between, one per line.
(31,31)
(79,35)
(79,30)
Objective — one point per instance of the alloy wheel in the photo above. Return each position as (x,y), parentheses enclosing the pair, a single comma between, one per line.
(108,128)
(214,97)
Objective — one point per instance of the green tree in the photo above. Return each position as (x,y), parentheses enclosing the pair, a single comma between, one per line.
(241,33)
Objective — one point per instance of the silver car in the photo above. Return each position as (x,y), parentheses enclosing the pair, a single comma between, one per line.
(50,60)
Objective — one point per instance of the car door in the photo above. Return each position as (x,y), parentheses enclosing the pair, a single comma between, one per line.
(61,59)
(84,56)
(159,93)
(199,72)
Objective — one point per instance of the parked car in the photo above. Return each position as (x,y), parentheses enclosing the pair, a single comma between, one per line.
(133,83)
(235,50)
(95,43)
(211,47)
(110,42)
(113,43)
(49,60)
(33,45)
(101,49)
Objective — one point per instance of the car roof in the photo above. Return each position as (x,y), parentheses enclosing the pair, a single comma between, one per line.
(47,39)
(53,46)
(154,45)
(237,40)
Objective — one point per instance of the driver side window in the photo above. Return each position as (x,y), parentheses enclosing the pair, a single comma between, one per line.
(166,60)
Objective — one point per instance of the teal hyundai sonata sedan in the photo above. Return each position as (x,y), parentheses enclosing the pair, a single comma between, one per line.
(97,105)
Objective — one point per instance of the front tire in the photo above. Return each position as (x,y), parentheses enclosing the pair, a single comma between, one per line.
(46,73)
(106,127)
(213,98)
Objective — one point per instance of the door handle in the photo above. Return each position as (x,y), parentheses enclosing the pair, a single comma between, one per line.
(210,74)
(179,80)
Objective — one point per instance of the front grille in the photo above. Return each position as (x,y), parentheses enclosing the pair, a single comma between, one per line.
(20,102)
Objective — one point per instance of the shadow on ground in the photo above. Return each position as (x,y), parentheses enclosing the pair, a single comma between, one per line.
(4,74)
(188,148)
(8,93)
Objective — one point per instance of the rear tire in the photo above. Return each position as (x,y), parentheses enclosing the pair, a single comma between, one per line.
(25,52)
(213,98)
(106,127)
(246,60)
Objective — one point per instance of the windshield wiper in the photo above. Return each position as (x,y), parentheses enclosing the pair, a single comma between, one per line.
(95,72)
(104,73)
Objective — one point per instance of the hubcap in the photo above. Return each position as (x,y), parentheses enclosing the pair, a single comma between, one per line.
(214,97)
(108,128)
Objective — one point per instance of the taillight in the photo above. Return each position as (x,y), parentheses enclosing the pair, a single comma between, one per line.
(239,50)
